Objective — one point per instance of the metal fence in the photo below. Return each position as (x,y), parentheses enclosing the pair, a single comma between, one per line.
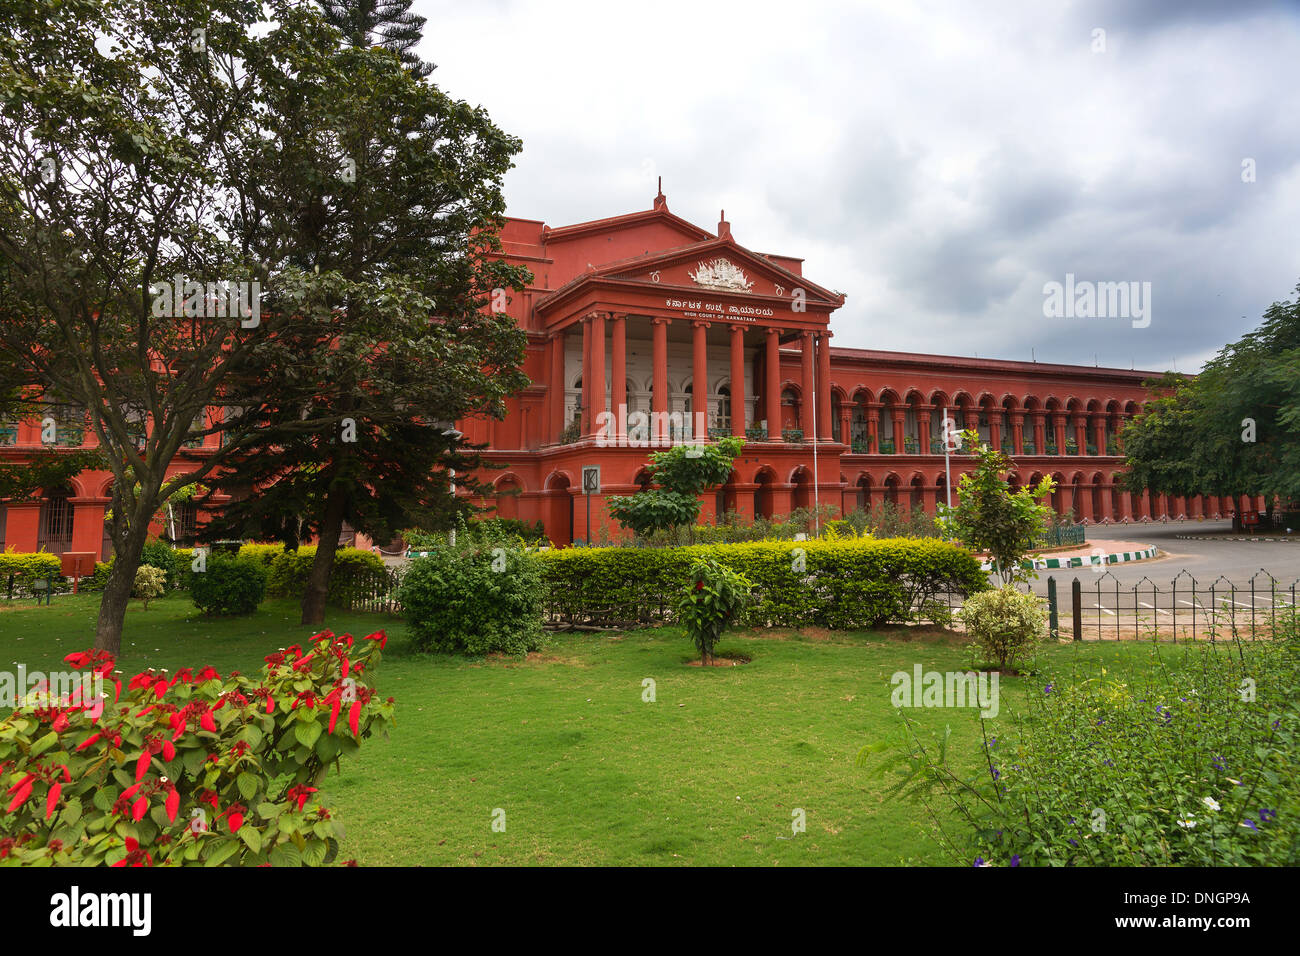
(367,589)
(1102,608)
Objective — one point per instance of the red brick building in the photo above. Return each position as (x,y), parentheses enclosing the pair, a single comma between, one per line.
(632,319)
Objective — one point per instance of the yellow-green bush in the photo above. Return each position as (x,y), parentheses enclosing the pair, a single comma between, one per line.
(291,570)
(842,584)
(20,570)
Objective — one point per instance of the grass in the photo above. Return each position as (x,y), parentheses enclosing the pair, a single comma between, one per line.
(585,771)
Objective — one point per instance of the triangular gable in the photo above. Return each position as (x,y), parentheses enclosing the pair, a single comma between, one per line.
(646,220)
(716,265)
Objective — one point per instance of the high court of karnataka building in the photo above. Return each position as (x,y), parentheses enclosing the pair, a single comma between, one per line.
(643,326)
(645,329)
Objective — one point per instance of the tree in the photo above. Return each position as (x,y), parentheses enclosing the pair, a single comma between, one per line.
(112,191)
(1234,429)
(385,194)
(990,517)
(386,23)
(683,473)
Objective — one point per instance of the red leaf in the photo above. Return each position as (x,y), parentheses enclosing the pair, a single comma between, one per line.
(270,703)
(24,791)
(354,716)
(141,766)
(235,821)
(334,712)
(139,809)
(52,800)
(168,750)
(207,723)
(172,805)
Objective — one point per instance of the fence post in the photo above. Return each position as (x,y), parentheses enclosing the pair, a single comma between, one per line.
(1076,607)
(1054,620)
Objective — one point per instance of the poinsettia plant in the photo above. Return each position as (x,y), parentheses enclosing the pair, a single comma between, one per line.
(189,768)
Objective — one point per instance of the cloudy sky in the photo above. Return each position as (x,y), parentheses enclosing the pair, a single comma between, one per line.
(937,162)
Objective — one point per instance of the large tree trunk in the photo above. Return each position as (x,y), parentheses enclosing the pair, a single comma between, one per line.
(117,591)
(331,529)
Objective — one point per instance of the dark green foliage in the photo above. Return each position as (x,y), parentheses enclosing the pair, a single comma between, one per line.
(681,474)
(474,600)
(1235,428)
(160,555)
(992,518)
(229,586)
(386,23)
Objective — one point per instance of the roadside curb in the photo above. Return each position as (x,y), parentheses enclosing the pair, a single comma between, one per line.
(1295,538)
(1097,559)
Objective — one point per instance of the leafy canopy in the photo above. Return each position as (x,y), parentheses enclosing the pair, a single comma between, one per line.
(682,474)
(991,517)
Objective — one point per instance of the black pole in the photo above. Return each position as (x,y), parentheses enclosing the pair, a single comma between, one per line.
(1054,621)
(1076,600)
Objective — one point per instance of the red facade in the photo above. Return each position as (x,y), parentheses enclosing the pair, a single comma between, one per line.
(626,315)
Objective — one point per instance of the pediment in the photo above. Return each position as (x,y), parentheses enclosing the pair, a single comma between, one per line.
(719,267)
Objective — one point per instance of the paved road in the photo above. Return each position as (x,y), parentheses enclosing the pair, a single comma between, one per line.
(1205,560)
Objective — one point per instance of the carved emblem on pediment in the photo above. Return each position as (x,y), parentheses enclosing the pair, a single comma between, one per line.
(721,274)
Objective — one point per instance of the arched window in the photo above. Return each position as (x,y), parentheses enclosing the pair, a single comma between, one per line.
(55,533)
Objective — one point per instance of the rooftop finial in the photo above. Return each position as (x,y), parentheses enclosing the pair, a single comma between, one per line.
(661,201)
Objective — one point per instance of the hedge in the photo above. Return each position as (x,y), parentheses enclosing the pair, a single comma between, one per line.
(21,569)
(839,584)
(291,570)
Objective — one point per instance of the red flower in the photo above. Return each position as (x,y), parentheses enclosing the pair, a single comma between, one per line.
(379,636)
(334,711)
(235,821)
(299,795)
(90,740)
(168,750)
(142,766)
(52,799)
(172,804)
(139,809)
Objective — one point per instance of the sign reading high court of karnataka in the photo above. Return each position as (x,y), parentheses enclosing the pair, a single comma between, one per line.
(699,309)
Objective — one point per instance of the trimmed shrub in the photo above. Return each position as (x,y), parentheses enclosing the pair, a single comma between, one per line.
(18,571)
(150,582)
(474,601)
(229,586)
(1005,623)
(99,580)
(291,570)
(189,769)
(264,553)
(844,584)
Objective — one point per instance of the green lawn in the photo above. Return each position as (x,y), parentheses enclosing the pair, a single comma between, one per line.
(586,772)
